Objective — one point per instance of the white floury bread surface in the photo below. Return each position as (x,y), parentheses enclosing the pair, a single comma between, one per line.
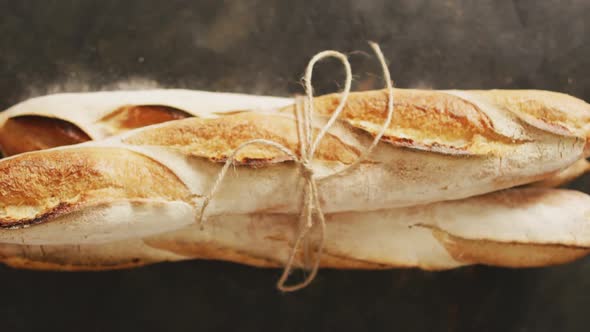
(513,228)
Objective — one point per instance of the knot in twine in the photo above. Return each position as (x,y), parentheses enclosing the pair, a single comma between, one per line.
(306,169)
(311,204)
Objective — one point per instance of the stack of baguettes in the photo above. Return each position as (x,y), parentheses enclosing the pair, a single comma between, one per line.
(119,175)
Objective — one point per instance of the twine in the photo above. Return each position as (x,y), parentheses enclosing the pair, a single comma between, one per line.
(308,146)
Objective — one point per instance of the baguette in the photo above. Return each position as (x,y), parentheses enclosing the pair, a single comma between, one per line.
(513,228)
(482,146)
(449,120)
(71,118)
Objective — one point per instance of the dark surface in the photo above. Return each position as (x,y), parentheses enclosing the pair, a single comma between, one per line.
(262,47)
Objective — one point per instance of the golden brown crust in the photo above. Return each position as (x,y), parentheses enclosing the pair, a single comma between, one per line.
(422,119)
(40,186)
(30,133)
(48,258)
(440,121)
(216,139)
(27,133)
(136,116)
(43,264)
(553,111)
(516,255)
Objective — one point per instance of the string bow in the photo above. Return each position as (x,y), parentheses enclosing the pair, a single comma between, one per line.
(307,146)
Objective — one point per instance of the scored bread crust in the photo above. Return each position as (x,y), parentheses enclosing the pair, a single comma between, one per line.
(513,228)
(483,145)
(65,119)
(93,111)
(438,119)
(70,118)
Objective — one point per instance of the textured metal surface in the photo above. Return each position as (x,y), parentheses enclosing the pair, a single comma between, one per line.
(262,47)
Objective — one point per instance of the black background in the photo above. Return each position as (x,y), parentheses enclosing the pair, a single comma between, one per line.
(262,47)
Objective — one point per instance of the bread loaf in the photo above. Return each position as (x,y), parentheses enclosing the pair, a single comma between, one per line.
(441,146)
(70,118)
(452,120)
(513,228)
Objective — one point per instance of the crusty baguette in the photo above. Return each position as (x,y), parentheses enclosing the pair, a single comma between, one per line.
(439,147)
(456,121)
(513,228)
(65,119)
(451,120)
(70,118)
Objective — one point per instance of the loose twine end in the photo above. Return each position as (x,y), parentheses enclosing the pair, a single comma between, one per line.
(311,210)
